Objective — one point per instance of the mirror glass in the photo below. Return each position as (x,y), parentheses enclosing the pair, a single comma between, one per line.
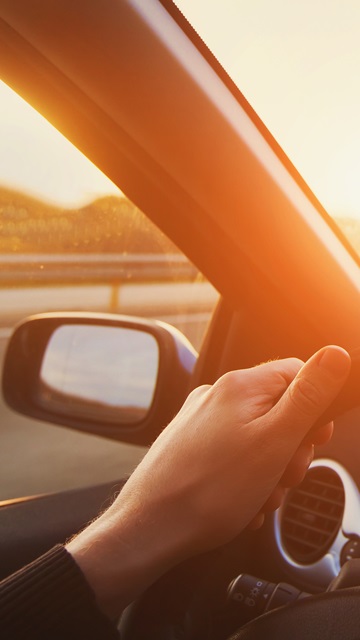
(99,372)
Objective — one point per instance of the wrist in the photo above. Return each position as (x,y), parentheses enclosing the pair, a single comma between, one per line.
(121,554)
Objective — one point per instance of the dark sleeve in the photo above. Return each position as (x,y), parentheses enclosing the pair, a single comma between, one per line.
(51,600)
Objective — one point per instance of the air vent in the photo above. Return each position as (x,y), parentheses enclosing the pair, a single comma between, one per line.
(312,515)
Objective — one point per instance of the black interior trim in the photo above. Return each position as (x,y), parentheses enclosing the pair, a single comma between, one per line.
(30,528)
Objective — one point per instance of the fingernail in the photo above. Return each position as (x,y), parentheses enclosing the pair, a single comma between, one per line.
(335,360)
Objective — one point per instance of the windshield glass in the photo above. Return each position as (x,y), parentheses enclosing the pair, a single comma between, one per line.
(298,64)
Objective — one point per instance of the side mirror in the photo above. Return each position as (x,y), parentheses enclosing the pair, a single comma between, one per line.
(114,376)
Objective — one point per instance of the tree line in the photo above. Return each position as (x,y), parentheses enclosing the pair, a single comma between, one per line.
(109,224)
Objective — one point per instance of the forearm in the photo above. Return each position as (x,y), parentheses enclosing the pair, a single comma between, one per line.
(50,598)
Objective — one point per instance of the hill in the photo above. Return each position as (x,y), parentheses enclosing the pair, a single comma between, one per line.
(109,224)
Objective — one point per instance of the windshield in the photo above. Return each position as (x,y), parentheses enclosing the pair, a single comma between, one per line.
(298,64)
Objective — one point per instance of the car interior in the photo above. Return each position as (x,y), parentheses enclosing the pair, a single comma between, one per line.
(133,86)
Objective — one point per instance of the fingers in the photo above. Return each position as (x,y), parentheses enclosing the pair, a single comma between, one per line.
(308,395)
(294,473)
(257,522)
(250,393)
(272,503)
(312,390)
(321,435)
(194,397)
(298,465)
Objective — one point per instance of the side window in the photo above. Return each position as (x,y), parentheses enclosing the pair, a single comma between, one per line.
(70,240)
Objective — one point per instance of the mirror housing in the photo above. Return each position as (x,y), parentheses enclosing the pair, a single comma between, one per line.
(49,374)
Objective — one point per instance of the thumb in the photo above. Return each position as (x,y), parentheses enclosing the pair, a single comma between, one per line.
(312,390)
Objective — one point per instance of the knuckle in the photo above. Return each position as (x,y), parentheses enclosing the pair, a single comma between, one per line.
(228,384)
(193,398)
(199,391)
(295,364)
(287,374)
(305,395)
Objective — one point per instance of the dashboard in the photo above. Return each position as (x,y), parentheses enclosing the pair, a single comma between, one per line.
(317,529)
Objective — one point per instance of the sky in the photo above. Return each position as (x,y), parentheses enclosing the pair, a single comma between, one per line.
(39,160)
(298,64)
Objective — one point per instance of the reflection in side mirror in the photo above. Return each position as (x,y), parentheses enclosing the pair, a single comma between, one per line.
(115,376)
(99,372)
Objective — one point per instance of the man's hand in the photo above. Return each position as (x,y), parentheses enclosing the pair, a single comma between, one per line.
(222,461)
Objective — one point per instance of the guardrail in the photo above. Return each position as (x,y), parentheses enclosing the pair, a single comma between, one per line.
(30,269)
(159,286)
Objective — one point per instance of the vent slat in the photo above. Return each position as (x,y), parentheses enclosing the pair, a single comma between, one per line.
(320,500)
(306,526)
(299,507)
(322,483)
(303,543)
(309,494)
